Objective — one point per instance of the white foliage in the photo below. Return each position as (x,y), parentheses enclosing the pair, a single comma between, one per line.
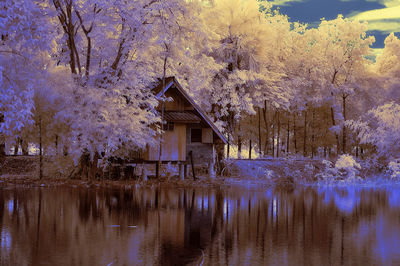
(111,108)
(347,162)
(394,169)
(24,37)
(381,127)
(346,169)
(15,105)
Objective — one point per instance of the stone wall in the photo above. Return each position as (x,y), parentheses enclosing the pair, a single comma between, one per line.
(202,152)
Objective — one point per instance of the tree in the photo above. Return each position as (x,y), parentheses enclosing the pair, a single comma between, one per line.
(23,41)
(242,35)
(387,68)
(381,128)
(345,45)
(111,105)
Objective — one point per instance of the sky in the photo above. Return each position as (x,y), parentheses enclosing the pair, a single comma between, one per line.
(383,16)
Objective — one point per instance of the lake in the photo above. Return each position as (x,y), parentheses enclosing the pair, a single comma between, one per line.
(204,226)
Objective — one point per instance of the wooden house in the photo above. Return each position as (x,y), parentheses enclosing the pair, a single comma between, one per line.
(187,130)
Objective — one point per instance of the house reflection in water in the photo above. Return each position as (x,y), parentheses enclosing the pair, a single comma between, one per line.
(151,226)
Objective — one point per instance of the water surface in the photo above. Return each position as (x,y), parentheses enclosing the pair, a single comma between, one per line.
(154,226)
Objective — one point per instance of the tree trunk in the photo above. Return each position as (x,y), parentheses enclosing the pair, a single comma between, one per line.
(56,144)
(279,135)
(65,149)
(92,171)
(312,133)
(288,134)
(17,144)
(24,147)
(228,148)
(162,113)
(2,152)
(273,139)
(250,147)
(305,134)
(40,149)
(239,145)
(335,72)
(266,147)
(266,128)
(344,125)
(294,133)
(336,135)
(259,130)
(2,145)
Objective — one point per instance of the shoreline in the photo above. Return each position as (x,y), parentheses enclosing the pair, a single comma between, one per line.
(22,172)
(201,182)
(8,182)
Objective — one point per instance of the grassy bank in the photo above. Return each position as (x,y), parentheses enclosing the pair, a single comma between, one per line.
(24,171)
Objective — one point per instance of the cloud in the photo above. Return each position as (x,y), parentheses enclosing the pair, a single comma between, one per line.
(386,26)
(380,14)
(385,19)
(283,2)
(387,3)
(377,51)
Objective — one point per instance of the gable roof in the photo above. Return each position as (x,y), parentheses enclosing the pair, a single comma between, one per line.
(181,117)
(169,81)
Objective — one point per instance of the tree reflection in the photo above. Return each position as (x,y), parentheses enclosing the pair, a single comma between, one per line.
(147,226)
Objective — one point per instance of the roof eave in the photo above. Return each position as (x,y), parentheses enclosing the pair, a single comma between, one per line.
(200,111)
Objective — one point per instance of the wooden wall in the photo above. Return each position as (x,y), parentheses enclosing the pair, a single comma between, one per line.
(174,146)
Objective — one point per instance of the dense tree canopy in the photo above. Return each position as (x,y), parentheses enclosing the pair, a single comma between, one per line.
(80,73)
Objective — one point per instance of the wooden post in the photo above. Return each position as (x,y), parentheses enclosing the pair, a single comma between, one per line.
(181,171)
(144,174)
(158,169)
(191,161)
(211,169)
(186,169)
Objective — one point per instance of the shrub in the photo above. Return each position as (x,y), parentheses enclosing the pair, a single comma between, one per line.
(394,168)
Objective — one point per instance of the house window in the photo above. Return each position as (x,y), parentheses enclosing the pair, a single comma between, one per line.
(195,135)
(169,126)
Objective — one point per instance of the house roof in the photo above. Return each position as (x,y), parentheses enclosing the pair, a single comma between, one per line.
(158,88)
(182,117)
(169,81)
